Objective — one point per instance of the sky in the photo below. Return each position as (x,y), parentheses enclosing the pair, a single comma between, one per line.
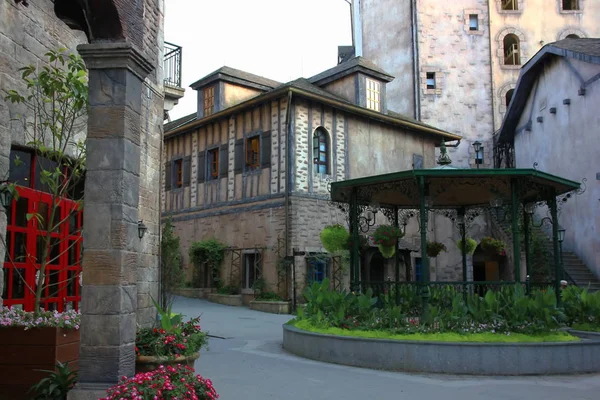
(278,39)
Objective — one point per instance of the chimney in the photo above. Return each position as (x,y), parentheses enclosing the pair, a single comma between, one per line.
(357,28)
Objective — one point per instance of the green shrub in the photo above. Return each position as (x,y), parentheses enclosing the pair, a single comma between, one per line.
(209,252)
(229,290)
(334,238)
(581,306)
(268,296)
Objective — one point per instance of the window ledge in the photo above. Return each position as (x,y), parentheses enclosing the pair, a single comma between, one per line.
(478,32)
(571,11)
(510,11)
(513,67)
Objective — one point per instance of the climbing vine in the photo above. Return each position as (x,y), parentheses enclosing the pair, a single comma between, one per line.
(209,253)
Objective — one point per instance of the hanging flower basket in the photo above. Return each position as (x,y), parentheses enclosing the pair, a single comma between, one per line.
(470,247)
(363,243)
(435,248)
(387,251)
(387,235)
(334,238)
(493,246)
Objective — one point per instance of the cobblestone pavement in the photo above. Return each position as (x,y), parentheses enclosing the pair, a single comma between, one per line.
(247,362)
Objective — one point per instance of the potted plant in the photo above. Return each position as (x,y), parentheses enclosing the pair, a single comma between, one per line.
(34,343)
(167,383)
(493,246)
(56,385)
(470,247)
(386,237)
(334,238)
(175,342)
(435,248)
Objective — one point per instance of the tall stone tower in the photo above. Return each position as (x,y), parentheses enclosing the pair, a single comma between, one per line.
(456,62)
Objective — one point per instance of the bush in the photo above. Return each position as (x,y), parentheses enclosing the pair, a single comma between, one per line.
(334,238)
(229,290)
(209,252)
(581,307)
(268,296)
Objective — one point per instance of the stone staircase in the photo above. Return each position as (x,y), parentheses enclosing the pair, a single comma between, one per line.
(577,272)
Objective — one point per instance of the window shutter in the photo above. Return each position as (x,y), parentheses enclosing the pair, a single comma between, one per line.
(239,156)
(201,166)
(168,176)
(187,170)
(223,160)
(265,149)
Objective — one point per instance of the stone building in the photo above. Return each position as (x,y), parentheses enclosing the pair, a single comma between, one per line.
(457,62)
(27,34)
(553,121)
(252,167)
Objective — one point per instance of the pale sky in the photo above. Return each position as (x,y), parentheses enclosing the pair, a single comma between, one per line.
(278,39)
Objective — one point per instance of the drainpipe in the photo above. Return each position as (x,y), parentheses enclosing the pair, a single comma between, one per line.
(415,45)
(288,161)
(491,73)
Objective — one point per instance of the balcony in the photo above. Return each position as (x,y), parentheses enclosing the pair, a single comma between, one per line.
(172,76)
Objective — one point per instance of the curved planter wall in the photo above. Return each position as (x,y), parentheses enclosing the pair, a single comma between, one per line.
(447,358)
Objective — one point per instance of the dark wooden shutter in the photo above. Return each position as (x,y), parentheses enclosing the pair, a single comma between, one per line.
(265,149)
(168,175)
(187,170)
(223,160)
(239,156)
(201,166)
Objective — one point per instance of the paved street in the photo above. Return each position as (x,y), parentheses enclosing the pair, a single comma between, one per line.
(250,364)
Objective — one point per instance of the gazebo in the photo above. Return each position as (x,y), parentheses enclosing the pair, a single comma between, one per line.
(458,194)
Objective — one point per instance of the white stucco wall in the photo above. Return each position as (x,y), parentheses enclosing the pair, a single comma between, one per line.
(566,144)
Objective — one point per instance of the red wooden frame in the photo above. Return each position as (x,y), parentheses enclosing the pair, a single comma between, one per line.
(62,272)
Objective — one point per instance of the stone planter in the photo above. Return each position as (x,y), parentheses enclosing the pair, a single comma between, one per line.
(446,357)
(150,363)
(226,299)
(193,293)
(22,352)
(273,307)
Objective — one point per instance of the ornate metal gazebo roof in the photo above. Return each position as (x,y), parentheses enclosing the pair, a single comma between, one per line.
(453,187)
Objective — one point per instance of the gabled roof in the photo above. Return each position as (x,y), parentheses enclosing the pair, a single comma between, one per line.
(587,50)
(303,88)
(236,76)
(355,64)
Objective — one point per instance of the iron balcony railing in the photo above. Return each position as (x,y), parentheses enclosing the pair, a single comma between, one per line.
(172,65)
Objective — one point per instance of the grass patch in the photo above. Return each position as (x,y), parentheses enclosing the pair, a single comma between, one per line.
(586,327)
(487,337)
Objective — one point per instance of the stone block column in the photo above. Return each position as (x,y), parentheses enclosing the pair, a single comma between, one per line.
(110,218)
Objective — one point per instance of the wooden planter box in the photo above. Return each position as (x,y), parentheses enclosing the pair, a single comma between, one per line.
(226,299)
(24,351)
(273,307)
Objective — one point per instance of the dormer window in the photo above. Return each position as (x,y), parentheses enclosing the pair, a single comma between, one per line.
(373,95)
(209,100)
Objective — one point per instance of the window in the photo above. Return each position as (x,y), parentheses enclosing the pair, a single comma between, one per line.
(253,152)
(178,173)
(431,80)
(473,22)
(213,164)
(509,96)
(511,50)
(510,5)
(251,270)
(321,151)
(373,95)
(570,5)
(209,100)
(318,269)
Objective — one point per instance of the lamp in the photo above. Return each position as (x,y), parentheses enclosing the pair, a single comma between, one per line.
(142,228)
(561,235)
(5,195)
(478,153)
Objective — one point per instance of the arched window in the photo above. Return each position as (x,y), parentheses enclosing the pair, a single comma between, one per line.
(511,50)
(509,96)
(572,36)
(510,5)
(321,151)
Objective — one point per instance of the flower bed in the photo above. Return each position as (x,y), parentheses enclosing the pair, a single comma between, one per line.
(168,383)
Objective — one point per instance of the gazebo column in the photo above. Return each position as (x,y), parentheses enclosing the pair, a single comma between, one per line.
(423,192)
(557,264)
(463,237)
(514,189)
(526,235)
(355,262)
(397,257)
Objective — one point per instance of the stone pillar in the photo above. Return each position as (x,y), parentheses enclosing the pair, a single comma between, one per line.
(111,242)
